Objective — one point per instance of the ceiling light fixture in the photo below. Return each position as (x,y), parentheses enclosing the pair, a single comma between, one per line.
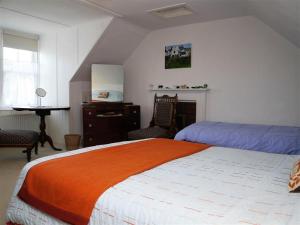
(172,11)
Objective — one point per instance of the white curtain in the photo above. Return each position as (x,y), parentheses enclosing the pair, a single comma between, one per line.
(20,71)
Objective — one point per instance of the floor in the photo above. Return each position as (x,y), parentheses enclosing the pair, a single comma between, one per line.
(11,162)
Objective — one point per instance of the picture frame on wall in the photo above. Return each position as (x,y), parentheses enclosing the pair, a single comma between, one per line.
(178,56)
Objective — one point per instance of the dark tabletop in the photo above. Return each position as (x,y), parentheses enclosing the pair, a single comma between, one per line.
(35,108)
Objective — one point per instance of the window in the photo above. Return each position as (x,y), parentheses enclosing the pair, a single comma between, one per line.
(20,70)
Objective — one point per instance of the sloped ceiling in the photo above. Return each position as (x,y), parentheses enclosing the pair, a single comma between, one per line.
(63,12)
(282,15)
(114,46)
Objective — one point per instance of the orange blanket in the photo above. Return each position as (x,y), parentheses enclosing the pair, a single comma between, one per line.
(67,188)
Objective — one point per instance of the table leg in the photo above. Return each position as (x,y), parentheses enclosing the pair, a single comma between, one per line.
(42,130)
(43,136)
(49,140)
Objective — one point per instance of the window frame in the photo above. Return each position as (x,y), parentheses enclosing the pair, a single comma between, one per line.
(37,77)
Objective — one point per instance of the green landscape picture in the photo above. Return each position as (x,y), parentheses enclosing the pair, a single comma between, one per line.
(178,56)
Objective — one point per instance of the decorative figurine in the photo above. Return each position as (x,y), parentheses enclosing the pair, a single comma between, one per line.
(184,86)
(199,86)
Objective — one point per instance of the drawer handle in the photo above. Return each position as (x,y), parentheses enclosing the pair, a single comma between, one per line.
(134,123)
(90,113)
(90,139)
(109,115)
(134,112)
(90,125)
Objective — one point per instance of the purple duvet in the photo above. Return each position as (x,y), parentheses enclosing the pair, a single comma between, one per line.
(273,139)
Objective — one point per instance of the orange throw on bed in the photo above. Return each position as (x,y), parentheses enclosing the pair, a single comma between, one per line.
(67,188)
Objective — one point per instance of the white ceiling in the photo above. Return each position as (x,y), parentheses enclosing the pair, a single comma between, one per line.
(204,10)
(282,15)
(64,12)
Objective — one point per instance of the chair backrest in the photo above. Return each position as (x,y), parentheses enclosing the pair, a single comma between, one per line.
(164,111)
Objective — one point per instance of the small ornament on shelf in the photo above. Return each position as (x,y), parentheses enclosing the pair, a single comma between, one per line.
(181,87)
(204,86)
(184,86)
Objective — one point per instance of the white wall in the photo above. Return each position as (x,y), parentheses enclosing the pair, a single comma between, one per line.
(299,85)
(62,52)
(80,90)
(62,49)
(252,71)
(1,65)
(115,45)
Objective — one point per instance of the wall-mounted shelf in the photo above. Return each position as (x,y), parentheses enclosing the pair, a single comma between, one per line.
(181,89)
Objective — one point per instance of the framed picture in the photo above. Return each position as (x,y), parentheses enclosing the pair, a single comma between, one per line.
(178,56)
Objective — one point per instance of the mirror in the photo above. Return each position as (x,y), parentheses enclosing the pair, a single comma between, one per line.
(40,92)
(107,83)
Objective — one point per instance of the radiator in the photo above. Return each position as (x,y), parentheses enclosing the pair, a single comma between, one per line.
(57,124)
(22,121)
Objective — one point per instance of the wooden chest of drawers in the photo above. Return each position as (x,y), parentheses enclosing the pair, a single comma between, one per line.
(108,122)
(132,117)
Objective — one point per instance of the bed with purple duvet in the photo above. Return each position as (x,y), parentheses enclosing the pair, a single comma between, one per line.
(264,138)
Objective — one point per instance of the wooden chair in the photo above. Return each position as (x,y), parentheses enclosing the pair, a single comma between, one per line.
(163,123)
(20,138)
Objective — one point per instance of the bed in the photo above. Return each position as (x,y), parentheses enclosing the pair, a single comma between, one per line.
(217,186)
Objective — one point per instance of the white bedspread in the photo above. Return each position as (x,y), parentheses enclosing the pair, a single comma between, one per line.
(219,186)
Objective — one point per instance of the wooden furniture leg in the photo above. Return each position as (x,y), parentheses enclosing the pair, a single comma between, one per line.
(36,148)
(28,153)
(42,130)
(43,135)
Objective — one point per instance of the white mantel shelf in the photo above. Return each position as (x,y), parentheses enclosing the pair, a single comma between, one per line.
(181,89)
